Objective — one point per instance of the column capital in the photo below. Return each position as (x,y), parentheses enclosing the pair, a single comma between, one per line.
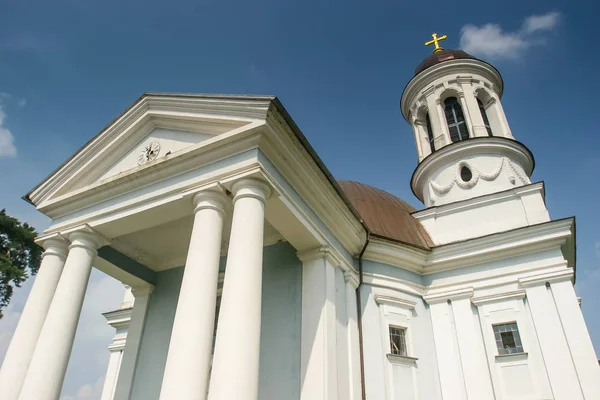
(211,199)
(86,237)
(53,244)
(142,291)
(251,187)
(351,278)
(464,79)
(318,253)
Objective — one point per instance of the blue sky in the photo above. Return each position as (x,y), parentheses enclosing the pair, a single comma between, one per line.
(67,68)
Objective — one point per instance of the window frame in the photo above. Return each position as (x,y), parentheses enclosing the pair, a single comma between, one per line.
(403,336)
(507,327)
(484,116)
(455,106)
(430,136)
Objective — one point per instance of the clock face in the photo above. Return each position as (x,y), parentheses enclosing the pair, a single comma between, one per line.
(149,153)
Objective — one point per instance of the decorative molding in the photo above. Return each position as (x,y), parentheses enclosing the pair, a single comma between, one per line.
(351,278)
(538,280)
(397,358)
(464,79)
(476,175)
(512,357)
(120,317)
(499,146)
(479,250)
(324,252)
(448,70)
(395,301)
(386,282)
(457,294)
(493,298)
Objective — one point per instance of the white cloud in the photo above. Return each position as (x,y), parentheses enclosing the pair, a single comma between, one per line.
(22,102)
(7,146)
(541,22)
(491,41)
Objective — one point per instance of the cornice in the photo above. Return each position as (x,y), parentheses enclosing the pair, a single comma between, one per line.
(188,159)
(440,297)
(496,246)
(119,317)
(479,250)
(395,301)
(553,277)
(515,151)
(283,148)
(403,256)
(493,298)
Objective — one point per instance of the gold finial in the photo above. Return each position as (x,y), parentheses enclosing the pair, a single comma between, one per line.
(435,41)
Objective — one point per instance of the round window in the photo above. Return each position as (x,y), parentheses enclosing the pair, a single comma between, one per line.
(466,174)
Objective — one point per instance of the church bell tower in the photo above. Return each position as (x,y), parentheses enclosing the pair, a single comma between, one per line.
(464,143)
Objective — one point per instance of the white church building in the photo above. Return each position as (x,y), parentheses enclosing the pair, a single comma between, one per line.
(254,274)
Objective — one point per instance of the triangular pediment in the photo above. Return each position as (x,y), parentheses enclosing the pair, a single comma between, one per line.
(160,142)
(155,129)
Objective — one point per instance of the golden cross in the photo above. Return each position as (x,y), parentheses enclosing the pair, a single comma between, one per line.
(435,41)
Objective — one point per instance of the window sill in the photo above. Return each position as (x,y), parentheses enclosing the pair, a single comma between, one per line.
(402,359)
(513,356)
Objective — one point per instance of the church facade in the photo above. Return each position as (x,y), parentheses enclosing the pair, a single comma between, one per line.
(253,274)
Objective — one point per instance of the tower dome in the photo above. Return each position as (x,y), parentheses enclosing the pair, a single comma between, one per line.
(452,99)
(441,56)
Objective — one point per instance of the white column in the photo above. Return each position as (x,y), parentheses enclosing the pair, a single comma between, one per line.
(471,108)
(49,363)
(437,119)
(142,296)
(446,349)
(188,361)
(22,345)
(478,381)
(353,339)
(112,372)
(578,338)
(555,350)
(318,361)
(237,348)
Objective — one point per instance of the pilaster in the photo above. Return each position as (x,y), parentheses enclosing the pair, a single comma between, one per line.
(318,357)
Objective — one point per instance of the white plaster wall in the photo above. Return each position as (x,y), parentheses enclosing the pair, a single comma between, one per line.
(485,215)
(279,376)
(157,333)
(379,382)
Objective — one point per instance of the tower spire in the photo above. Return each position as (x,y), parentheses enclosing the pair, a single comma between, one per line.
(435,41)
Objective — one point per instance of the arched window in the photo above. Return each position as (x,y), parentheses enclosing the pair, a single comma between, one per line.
(429,133)
(456,120)
(486,121)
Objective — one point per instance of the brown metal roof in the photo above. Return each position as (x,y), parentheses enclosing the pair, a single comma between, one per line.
(386,215)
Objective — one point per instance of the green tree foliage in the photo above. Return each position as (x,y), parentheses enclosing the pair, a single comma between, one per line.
(18,255)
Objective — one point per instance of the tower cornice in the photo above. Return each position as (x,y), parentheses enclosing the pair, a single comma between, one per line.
(463,68)
(514,150)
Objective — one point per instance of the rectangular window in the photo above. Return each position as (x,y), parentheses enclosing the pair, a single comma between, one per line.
(398,340)
(507,338)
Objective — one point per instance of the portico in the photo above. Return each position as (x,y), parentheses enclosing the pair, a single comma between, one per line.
(208,207)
